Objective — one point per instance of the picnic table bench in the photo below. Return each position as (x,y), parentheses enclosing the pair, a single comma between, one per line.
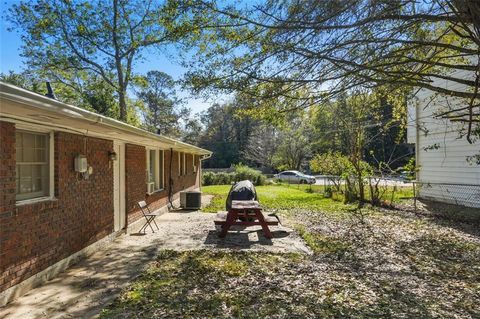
(245,213)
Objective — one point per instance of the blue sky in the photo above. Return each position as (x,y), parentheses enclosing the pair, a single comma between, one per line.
(10,59)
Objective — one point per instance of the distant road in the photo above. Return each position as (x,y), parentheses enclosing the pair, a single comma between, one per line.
(322,180)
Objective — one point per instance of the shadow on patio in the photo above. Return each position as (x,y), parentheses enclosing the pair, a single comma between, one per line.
(85,288)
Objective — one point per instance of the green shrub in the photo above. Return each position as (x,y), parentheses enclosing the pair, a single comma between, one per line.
(241,173)
(327,193)
(351,170)
(221,178)
(207,178)
(261,180)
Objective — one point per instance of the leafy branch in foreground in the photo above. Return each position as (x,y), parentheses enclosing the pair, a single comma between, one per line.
(303,52)
(103,38)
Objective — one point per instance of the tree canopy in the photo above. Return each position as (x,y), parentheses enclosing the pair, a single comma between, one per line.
(64,39)
(163,111)
(307,77)
(305,52)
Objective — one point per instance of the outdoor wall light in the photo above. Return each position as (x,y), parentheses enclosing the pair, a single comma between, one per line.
(112,156)
(82,168)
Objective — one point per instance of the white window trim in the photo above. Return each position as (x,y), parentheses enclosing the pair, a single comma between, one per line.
(157,167)
(182,168)
(184,164)
(163,169)
(51,166)
(34,200)
(193,164)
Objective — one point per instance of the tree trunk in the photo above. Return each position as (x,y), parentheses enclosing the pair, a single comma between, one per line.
(361,188)
(122,83)
(123,105)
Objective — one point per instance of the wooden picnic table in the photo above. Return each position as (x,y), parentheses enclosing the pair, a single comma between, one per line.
(245,213)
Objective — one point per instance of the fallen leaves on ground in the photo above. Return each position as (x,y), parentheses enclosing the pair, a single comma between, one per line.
(375,263)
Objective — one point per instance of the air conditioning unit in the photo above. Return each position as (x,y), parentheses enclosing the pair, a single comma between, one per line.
(191,199)
(150,187)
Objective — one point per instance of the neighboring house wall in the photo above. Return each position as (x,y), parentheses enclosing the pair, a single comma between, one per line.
(37,235)
(441,152)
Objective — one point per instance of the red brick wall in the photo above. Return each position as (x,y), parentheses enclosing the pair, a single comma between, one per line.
(35,236)
(187,181)
(135,165)
(7,198)
(7,170)
(135,179)
(87,203)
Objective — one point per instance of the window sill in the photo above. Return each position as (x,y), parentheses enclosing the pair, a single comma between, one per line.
(24,202)
(156,191)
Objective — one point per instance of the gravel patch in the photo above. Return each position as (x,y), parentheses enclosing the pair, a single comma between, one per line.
(196,230)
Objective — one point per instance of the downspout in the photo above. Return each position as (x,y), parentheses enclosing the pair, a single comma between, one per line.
(170,182)
(201,158)
(200,173)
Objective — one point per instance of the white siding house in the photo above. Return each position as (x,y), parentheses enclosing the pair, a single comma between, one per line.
(444,173)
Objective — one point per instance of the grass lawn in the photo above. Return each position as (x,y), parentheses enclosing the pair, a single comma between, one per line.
(373,263)
(274,197)
(280,197)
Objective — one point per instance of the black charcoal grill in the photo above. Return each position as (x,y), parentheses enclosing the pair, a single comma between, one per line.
(243,190)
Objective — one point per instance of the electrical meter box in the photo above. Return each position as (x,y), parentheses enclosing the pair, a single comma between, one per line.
(81,164)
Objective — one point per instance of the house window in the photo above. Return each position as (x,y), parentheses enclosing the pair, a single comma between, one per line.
(32,165)
(155,170)
(151,167)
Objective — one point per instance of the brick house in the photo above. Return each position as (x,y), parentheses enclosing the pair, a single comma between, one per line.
(52,211)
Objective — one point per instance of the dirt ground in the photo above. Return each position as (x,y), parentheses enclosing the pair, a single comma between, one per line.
(366,263)
(87,287)
(195,230)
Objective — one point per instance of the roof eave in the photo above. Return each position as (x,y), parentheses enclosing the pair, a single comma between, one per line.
(20,95)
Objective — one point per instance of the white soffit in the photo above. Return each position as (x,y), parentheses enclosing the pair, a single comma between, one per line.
(17,104)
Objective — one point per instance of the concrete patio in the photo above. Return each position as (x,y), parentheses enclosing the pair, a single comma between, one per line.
(85,288)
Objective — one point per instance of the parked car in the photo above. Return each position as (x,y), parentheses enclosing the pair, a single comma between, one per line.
(295,177)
